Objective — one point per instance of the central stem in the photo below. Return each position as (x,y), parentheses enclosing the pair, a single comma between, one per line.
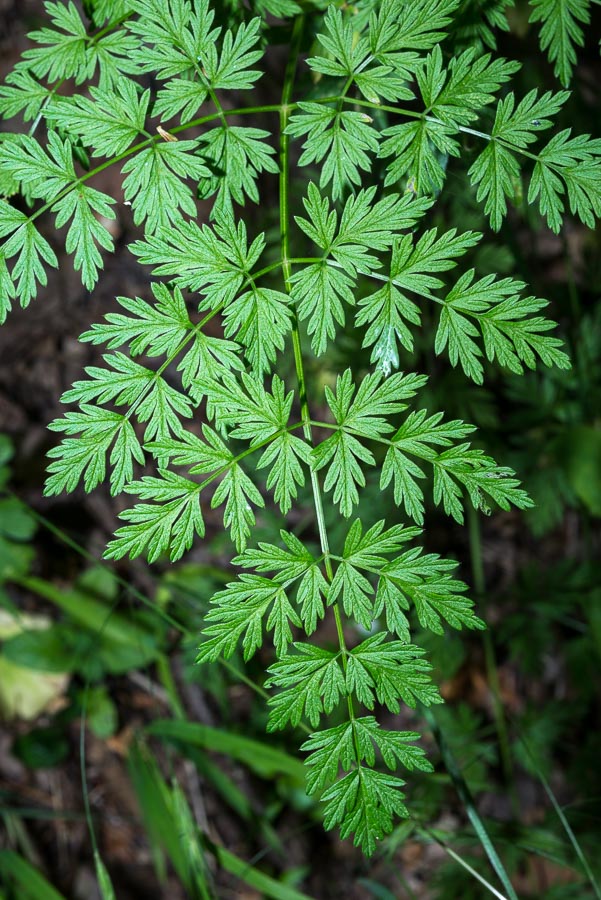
(285,110)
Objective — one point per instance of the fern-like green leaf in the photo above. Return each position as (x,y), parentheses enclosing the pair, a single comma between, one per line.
(31,250)
(240,610)
(109,122)
(156,182)
(62,51)
(562,30)
(312,682)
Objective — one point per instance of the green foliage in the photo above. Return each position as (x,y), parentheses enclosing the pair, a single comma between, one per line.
(213,415)
(16,525)
(21,875)
(561,31)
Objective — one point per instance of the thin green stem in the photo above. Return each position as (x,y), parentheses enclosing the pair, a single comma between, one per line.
(270,268)
(345,90)
(296,339)
(241,111)
(395,110)
(468,802)
(463,129)
(387,279)
(492,672)
(107,29)
(305,260)
(476,559)
(287,274)
(429,835)
(82,769)
(241,676)
(218,106)
(245,111)
(214,98)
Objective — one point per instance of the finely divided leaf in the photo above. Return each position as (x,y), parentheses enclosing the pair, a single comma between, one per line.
(572,164)
(109,122)
(387,671)
(84,457)
(411,269)
(363,803)
(240,609)
(457,95)
(21,93)
(418,25)
(63,51)
(260,320)
(340,139)
(293,565)
(319,292)
(156,182)
(235,157)
(84,207)
(230,69)
(31,251)
(313,682)
(211,261)
(363,414)
(155,330)
(561,31)
(510,332)
(166,524)
(172,36)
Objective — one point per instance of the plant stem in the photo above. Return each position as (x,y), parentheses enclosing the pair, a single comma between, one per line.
(287,273)
(463,129)
(431,836)
(466,798)
(492,672)
(296,339)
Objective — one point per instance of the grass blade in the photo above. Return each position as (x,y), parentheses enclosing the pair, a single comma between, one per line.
(474,873)
(566,825)
(107,892)
(30,883)
(267,885)
(177,833)
(470,808)
(154,798)
(105,884)
(429,835)
(260,758)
